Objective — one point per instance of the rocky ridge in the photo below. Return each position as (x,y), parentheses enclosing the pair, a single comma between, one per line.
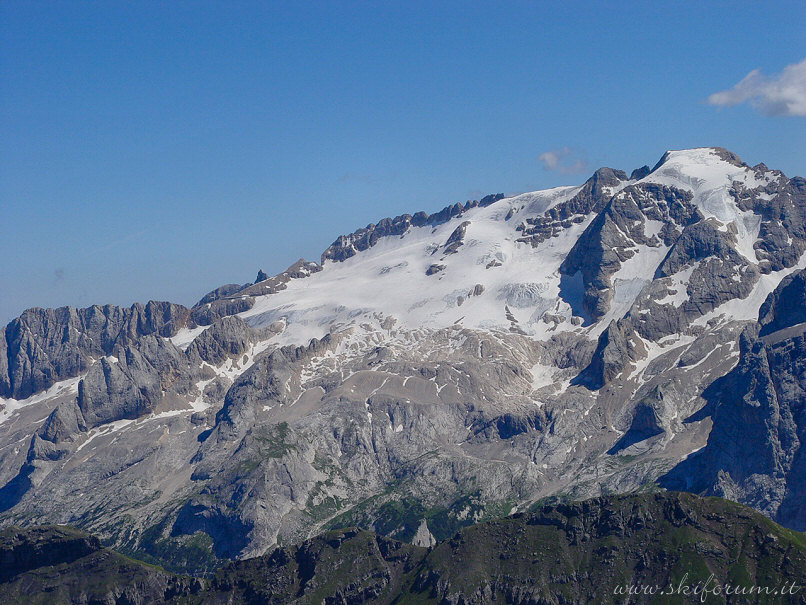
(570,344)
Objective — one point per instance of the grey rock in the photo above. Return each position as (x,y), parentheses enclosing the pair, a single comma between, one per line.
(489,200)
(781,205)
(612,237)
(754,452)
(423,537)
(5,381)
(699,241)
(211,312)
(227,337)
(591,198)
(45,346)
(640,173)
(220,292)
(616,348)
(298,270)
(65,422)
(362,239)
(261,276)
(232,299)
(135,384)
(785,306)
(653,415)
(456,239)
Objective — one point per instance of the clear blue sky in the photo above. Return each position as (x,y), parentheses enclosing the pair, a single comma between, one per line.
(155,150)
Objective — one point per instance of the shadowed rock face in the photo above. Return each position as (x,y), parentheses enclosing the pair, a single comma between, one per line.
(786,306)
(485,357)
(661,540)
(755,450)
(60,565)
(616,348)
(611,239)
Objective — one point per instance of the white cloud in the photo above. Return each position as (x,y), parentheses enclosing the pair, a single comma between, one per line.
(780,95)
(564,161)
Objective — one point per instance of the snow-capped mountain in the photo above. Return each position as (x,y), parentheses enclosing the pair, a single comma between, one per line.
(433,370)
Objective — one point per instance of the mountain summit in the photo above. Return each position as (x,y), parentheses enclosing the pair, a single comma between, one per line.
(431,371)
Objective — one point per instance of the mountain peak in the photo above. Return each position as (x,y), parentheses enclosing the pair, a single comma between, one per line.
(554,342)
(700,155)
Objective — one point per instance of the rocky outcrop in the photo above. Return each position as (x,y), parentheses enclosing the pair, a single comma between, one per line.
(640,173)
(209,313)
(456,239)
(754,452)
(653,415)
(617,232)
(5,380)
(617,347)
(229,337)
(44,346)
(781,204)
(232,299)
(592,197)
(134,382)
(220,292)
(785,307)
(347,246)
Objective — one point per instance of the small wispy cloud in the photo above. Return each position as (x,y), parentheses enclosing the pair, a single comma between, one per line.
(781,95)
(564,160)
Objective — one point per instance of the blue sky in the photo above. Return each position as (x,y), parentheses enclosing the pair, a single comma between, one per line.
(156,150)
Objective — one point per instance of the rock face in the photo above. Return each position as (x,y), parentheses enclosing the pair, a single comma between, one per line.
(616,348)
(44,346)
(667,543)
(229,337)
(434,371)
(755,450)
(456,239)
(136,383)
(615,234)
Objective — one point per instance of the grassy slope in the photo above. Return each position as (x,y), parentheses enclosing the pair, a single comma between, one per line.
(565,553)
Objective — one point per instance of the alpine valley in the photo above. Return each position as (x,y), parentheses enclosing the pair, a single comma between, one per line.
(636,333)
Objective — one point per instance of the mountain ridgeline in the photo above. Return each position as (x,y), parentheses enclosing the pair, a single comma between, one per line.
(668,547)
(431,372)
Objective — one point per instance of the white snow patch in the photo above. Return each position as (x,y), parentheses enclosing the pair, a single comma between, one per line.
(742,309)
(710,179)
(542,375)
(59,389)
(185,336)
(345,294)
